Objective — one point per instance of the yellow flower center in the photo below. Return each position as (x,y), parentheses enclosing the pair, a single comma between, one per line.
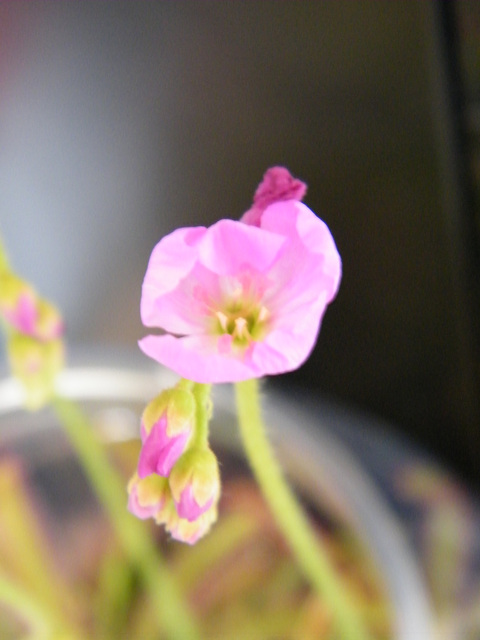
(238,309)
(245,324)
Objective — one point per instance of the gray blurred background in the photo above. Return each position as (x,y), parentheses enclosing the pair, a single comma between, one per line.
(123,120)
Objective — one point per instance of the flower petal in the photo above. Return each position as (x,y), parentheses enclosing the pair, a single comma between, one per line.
(284,350)
(160,452)
(230,247)
(188,507)
(309,236)
(171,261)
(197,358)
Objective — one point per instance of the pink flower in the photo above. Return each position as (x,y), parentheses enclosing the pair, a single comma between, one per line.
(239,301)
(167,424)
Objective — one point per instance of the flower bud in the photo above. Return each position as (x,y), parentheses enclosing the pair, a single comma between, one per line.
(184,531)
(18,303)
(49,323)
(277,185)
(148,496)
(195,483)
(36,364)
(167,424)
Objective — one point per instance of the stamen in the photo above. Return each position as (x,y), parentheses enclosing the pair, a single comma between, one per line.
(241,329)
(263,314)
(223,319)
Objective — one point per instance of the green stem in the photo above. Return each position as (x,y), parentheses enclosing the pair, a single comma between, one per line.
(203,413)
(173,615)
(311,556)
(28,558)
(42,624)
(20,602)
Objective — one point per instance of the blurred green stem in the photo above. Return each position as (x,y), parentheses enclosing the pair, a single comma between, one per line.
(42,623)
(306,546)
(173,614)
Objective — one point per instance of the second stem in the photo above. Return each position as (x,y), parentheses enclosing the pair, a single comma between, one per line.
(311,556)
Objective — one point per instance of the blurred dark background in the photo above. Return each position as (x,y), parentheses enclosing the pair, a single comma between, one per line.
(120,121)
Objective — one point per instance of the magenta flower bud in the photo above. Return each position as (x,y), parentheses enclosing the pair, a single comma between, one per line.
(18,303)
(195,483)
(277,185)
(148,496)
(167,425)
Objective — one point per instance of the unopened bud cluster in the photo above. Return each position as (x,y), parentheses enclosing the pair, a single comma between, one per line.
(177,481)
(34,328)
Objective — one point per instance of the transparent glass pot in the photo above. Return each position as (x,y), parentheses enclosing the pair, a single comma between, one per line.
(114,390)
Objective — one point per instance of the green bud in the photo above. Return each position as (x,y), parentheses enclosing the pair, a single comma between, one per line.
(36,364)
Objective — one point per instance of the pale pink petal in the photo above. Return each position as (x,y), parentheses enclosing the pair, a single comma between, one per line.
(300,293)
(309,236)
(190,532)
(139,510)
(283,351)
(230,247)
(188,508)
(224,344)
(197,358)
(185,309)
(171,261)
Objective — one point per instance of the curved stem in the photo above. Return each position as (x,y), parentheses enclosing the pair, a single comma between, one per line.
(203,413)
(173,615)
(43,624)
(19,601)
(311,556)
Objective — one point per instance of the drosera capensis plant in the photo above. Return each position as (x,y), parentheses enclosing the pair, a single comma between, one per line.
(231,303)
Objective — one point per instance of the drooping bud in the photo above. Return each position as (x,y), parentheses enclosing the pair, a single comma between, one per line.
(167,424)
(147,496)
(36,364)
(195,483)
(18,303)
(182,529)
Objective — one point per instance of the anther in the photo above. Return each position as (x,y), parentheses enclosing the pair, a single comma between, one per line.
(222,318)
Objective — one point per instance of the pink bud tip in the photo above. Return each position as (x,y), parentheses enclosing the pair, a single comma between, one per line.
(278,184)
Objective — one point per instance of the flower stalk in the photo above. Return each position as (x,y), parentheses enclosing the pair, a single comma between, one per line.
(292,521)
(43,624)
(203,413)
(173,616)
